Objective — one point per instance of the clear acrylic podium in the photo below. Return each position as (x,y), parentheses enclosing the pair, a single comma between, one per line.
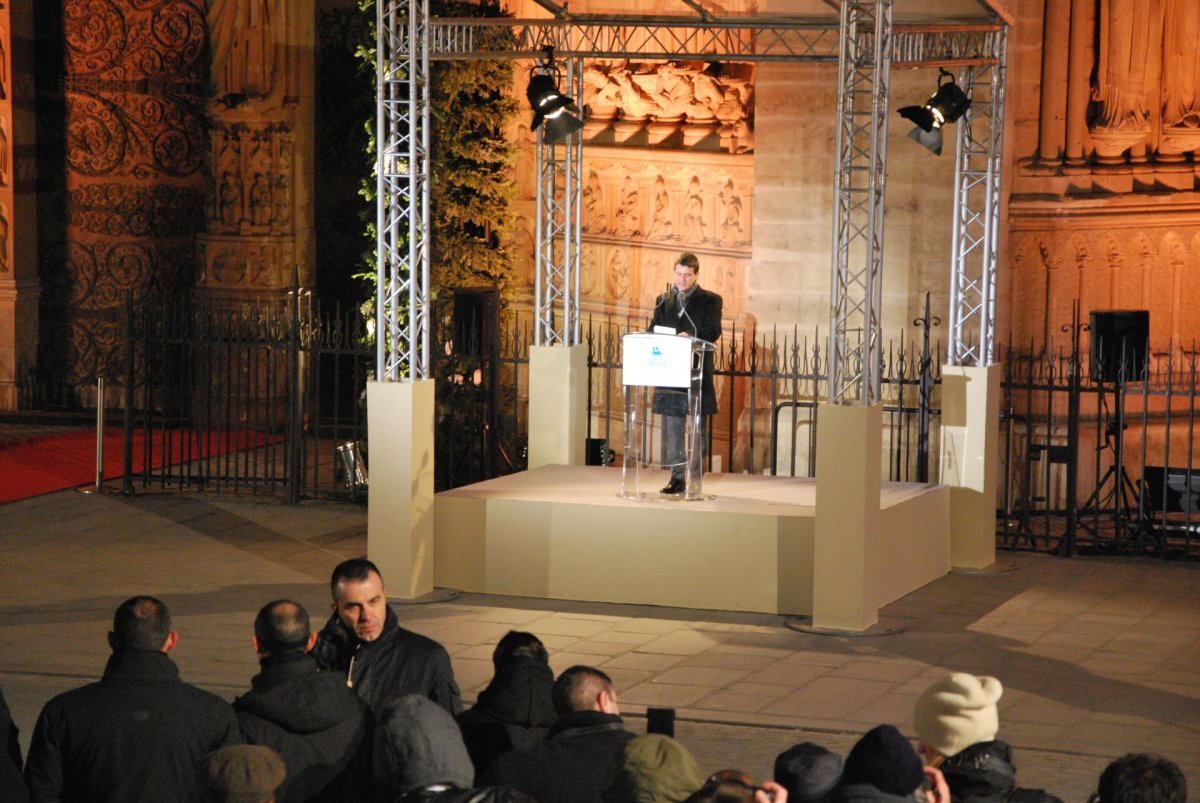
(653,361)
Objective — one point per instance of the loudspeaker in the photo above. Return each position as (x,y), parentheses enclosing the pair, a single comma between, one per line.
(476,321)
(1119,344)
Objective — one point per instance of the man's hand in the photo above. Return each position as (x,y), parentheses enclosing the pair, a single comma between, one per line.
(771,792)
(939,791)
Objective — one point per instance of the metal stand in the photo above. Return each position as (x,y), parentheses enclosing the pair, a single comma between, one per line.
(1115,489)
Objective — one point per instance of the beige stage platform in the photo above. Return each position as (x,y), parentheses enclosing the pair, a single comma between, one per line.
(562,532)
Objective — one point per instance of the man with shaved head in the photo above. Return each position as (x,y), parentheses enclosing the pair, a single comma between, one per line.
(310,718)
(583,759)
(140,733)
(379,659)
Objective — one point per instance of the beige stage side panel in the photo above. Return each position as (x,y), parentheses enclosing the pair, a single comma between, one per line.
(657,554)
(913,545)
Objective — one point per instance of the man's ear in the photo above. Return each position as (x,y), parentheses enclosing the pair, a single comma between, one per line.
(312,642)
(606,702)
(112,641)
(172,640)
(254,643)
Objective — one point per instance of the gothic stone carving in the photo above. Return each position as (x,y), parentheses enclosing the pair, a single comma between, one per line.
(670,105)
(1117,267)
(135,146)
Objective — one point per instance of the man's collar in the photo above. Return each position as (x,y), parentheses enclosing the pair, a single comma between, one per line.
(141,664)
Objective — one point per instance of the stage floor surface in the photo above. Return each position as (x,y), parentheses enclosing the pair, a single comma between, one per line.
(1098,656)
(597,485)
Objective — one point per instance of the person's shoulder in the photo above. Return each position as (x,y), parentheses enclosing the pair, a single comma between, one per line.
(202,700)
(412,641)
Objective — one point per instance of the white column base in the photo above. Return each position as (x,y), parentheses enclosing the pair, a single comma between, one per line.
(849,456)
(400,418)
(557,405)
(969,460)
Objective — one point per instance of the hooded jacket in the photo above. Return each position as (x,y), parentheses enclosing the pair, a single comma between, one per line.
(419,757)
(514,711)
(582,761)
(138,734)
(313,721)
(399,662)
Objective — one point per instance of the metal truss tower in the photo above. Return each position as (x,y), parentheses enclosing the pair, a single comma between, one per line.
(864,45)
(559,203)
(402,182)
(855,358)
(977,214)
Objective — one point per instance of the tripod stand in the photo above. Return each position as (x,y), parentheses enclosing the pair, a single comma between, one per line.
(1115,490)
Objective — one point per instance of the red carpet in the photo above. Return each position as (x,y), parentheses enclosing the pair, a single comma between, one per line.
(52,463)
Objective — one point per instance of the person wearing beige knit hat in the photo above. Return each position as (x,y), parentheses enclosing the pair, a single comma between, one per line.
(956,723)
(956,712)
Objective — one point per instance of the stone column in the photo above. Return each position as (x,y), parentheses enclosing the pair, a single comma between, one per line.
(19,288)
(1082,54)
(1052,119)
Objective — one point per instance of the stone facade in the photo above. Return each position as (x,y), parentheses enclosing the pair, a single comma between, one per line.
(1102,168)
(19,286)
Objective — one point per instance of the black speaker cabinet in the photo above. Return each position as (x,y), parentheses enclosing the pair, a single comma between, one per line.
(1119,344)
(476,321)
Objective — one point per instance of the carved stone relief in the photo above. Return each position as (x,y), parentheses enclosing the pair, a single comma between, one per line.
(135,145)
(671,104)
(1115,268)
(251,197)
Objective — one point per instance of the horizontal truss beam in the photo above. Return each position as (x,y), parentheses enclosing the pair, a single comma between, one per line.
(770,40)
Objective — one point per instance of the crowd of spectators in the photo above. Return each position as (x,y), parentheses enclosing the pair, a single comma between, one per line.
(365,710)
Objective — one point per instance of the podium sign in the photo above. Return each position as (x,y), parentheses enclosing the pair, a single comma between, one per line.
(663,361)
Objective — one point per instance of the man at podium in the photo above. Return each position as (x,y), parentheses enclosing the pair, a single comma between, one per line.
(686,309)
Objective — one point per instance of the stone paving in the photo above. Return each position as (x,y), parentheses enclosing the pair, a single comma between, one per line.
(1098,656)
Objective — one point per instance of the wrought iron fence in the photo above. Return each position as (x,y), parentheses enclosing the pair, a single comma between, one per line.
(1100,459)
(264,399)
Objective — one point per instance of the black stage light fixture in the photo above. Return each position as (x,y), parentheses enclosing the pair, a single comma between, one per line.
(946,105)
(551,106)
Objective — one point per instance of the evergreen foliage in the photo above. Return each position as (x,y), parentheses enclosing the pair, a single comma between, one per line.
(471,186)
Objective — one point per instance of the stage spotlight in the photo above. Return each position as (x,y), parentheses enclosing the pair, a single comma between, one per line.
(946,105)
(549,104)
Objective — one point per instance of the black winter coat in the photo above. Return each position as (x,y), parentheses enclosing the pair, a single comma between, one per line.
(582,761)
(137,734)
(865,793)
(12,786)
(399,662)
(319,726)
(514,711)
(703,320)
(984,773)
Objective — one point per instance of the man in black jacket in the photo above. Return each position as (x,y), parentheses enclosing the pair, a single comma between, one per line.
(516,709)
(686,309)
(583,760)
(379,659)
(140,733)
(308,717)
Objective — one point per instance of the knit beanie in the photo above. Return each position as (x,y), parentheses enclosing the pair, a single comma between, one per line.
(808,772)
(662,769)
(957,712)
(884,759)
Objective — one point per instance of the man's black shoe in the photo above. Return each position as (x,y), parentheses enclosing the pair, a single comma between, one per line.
(675,486)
